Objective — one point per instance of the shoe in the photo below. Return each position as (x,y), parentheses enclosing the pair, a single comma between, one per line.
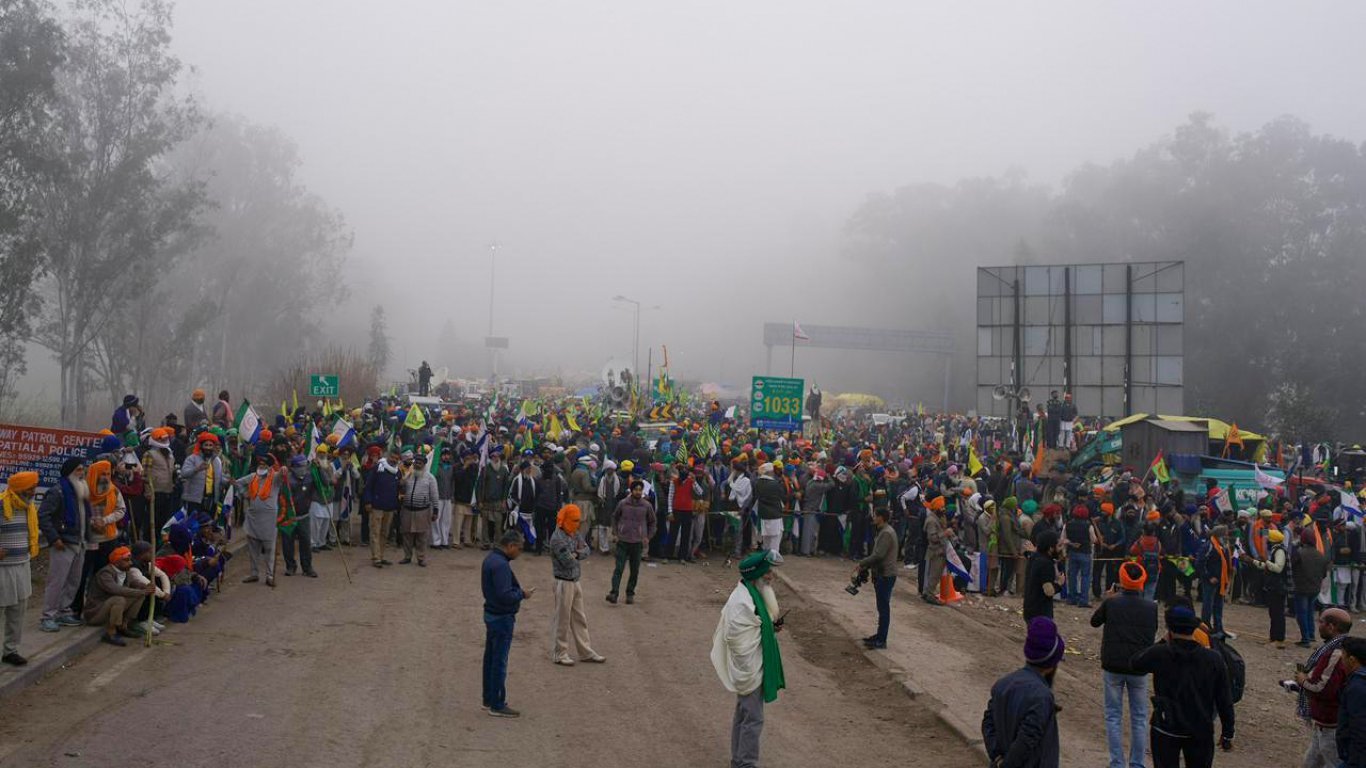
(1230,635)
(251,580)
(611,598)
(140,629)
(289,571)
(484,547)
(128,632)
(270,582)
(405,561)
(874,645)
(931,599)
(1304,644)
(112,639)
(504,712)
(49,625)
(869,639)
(565,662)
(311,574)
(484,707)
(630,599)
(14,659)
(597,659)
(385,562)
(377,563)
(159,625)
(421,563)
(69,621)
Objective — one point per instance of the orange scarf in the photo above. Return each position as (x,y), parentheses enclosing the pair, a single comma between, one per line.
(258,489)
(101,470)
(1223,566)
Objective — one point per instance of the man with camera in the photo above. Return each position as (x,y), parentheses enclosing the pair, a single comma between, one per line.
(881,566)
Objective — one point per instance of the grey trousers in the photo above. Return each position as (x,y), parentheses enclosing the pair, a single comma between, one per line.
(1323,748)
(262,555)
(746,728)
(63,577)
(14,626)
(811,523)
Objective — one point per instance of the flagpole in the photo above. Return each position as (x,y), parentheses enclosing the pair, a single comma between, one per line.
(792,372)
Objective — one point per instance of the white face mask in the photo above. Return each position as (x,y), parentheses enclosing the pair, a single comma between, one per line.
(261,471)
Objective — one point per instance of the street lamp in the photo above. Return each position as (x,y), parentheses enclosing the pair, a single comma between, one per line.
(635,360)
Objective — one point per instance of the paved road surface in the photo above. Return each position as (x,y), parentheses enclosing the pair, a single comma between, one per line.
(385,672)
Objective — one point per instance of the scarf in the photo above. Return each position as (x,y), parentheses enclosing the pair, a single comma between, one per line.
(69,516)
(768,642)
(259,490)
(109,499)
(8,500)
(385,466)
(324,490)
(1302,705)
(1223,565)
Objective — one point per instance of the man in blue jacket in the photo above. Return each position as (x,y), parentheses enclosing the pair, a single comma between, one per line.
(1020,725)
(1351,733)
(502,597)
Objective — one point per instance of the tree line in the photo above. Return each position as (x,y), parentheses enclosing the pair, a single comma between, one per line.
(147,242)
(1271,224)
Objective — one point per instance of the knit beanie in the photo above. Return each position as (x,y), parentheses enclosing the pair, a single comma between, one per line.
(1043,646)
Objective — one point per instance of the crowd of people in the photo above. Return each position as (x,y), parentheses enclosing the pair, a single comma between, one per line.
(959,504)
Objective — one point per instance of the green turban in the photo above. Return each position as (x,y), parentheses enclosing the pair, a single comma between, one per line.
(756,565)
(1030,507)
(1010,503)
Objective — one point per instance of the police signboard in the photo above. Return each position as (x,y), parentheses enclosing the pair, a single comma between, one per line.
(42,450)
(776,403)
(323,385)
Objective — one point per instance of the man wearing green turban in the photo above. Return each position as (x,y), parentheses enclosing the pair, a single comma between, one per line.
(746,656)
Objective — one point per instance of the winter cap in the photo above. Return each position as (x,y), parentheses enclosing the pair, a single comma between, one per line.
(1043,646)
(1181,620)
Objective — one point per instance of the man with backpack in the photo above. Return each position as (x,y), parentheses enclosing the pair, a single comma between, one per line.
(1190,684)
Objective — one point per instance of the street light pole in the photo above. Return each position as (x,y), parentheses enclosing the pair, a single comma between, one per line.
(493,351)
(635,353)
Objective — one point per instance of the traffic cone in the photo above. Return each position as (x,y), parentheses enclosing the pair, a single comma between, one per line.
(948,594)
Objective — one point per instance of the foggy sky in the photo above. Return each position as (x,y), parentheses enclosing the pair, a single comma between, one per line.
(703,155)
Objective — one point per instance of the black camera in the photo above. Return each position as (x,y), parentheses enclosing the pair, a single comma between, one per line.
(858,580)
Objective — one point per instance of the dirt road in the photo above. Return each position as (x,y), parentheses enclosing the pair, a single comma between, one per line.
(956,653)
(386,671)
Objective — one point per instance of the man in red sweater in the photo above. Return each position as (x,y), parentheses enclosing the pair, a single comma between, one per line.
(682,492)
(1320,682)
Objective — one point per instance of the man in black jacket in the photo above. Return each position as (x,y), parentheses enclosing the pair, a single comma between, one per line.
(1190,684)
(1130,623)
(1042,582)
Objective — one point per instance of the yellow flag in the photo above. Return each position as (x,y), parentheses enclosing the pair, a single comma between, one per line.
(327,409)
(974,463)
(416,418)
(574,425)
(296,402)
(553,429)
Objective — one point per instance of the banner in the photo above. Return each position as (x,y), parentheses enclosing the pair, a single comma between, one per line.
(42,450)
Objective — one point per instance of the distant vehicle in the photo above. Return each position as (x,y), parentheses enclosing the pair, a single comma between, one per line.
(1239,478)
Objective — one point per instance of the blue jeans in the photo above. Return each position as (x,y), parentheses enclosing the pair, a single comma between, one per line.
(1304,616)
(1078,578)
(1115,686)
(497,645)
(1211,607)
(882,588)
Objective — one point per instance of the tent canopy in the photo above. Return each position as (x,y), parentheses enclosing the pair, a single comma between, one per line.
(1218,430)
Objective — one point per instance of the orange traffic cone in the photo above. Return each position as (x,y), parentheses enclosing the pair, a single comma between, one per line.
(948,594)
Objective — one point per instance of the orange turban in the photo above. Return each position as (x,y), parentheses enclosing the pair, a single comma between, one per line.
(23,481)
(569,518)
(120,553)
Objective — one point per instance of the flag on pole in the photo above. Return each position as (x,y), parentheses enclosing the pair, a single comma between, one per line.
(247,422)
(954,563)
(226,511)
(1351,506)
(1159,468)
(730,412)
(1037,467)
(1267,481)
(1222,502)
(974,463)
(296,403)
(434,461)
(569,419)
(416,418)
(346,434)
(798,333)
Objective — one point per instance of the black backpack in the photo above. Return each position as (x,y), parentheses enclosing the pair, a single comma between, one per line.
(1233,662)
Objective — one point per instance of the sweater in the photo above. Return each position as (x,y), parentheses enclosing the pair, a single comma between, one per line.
(502,594)
(633,521)
(565,553)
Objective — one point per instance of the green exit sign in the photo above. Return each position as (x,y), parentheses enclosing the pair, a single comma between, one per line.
(323,385)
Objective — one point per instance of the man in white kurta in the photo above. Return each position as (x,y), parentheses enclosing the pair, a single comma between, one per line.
(745,654)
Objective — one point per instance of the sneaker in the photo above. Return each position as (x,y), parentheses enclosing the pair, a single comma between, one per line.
(69,621)
(159,625)
(611,598)
(140,628)
(270,582)
(112,639)
(50,625)
(565,662)
(289,571)
(506,711)
(14,659)
(597,659)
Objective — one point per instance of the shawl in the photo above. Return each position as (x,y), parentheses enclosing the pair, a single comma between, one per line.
(8,500)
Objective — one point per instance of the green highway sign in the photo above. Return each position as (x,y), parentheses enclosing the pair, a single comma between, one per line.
(776,403)
(323,385)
